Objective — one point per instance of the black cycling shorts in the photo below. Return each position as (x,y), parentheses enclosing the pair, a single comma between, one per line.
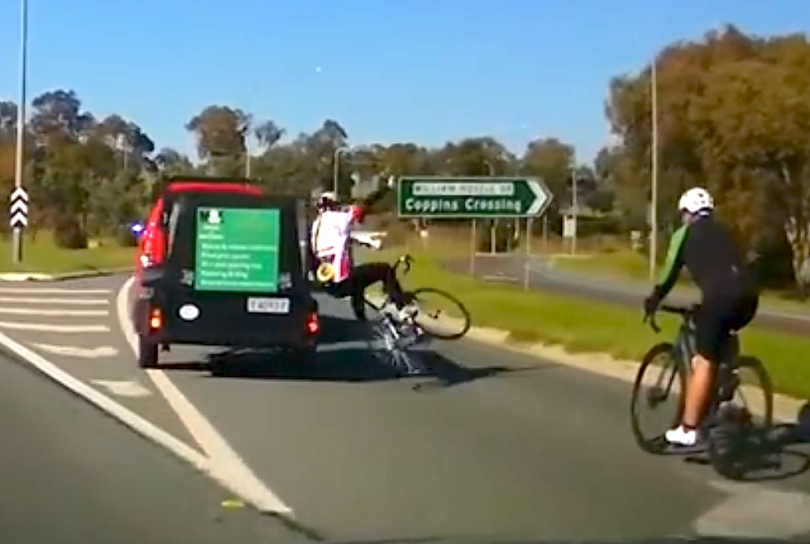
(716,319)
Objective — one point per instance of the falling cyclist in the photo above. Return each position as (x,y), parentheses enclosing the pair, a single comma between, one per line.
(331,245)
(729,299)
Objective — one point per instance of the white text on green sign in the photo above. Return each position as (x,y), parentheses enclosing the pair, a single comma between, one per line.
(237,249)
(472,198)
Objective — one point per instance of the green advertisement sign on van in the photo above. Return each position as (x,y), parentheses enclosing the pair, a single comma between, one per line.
(237,249)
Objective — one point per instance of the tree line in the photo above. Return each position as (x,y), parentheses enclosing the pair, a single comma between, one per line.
(733,115)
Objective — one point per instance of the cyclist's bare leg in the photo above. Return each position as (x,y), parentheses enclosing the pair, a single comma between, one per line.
(697,394)
(698,391)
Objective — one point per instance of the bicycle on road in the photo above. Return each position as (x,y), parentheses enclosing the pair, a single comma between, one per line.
(393,338)
(730,428)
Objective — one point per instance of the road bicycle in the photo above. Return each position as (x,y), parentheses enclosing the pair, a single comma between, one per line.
(393,338)
(735,441)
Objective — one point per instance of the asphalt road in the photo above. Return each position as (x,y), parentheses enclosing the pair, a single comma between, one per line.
(492,445)
(74,476)
(509,268)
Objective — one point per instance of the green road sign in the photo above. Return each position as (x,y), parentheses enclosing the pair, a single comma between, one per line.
(473,197)
(237,250)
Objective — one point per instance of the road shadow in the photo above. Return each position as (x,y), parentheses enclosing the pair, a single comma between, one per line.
(782,452)
(346,365)
(344,355)
(449,373)
(342,329)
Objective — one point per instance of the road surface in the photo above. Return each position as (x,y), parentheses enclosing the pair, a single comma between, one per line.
(493,445)
(71,475)
(509,268)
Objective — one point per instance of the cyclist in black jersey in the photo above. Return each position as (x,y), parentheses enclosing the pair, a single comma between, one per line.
(730,298)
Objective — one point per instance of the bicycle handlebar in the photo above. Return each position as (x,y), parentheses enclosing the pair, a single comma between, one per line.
(406,261)
(686,312)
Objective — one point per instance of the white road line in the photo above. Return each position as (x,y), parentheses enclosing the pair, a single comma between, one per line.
(124,388)
(16,326)
(226,465)
(53,291)
(57,301)
(84,353)
(53,313)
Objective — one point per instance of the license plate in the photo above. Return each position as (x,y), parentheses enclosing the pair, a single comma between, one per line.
(268,305)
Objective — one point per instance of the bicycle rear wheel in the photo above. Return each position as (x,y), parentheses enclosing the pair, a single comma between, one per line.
(660,365)
(731,449)
(450,323)
(388,348)
(754,382)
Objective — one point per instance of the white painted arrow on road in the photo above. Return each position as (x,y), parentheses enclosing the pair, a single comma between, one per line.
(73,351)
(123,388)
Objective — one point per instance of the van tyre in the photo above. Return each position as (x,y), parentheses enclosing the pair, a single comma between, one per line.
(147,353)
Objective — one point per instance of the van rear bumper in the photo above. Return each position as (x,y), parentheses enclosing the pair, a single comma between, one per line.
(277,332)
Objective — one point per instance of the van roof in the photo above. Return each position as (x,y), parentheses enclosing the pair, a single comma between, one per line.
(208,187)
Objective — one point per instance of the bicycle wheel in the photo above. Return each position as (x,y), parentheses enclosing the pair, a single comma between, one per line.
(731,448)
(451,323)
(387,349)
(754,382)
(665,373)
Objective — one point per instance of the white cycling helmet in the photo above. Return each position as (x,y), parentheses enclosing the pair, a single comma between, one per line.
(696,200)
(327,199)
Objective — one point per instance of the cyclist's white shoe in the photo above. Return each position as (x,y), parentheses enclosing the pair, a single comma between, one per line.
(679,436)
(407,312)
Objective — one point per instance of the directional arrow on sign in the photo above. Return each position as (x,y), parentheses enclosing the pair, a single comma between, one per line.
(18,214)
(542,197)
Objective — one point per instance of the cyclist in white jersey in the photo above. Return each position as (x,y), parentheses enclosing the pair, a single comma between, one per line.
(331,244)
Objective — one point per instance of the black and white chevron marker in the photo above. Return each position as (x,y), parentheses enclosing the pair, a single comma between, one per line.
(18,214)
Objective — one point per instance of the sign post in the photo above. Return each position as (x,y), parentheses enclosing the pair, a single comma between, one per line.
(237,250)
(473,198)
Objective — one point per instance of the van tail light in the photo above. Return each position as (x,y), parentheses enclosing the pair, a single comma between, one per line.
(313,323)
(155,319)
(146,261)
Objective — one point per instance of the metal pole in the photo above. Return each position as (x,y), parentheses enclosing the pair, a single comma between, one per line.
(472,250)
(336,172)
(17,246)
(527,265)
(654,192)
(494,225)
(575,206)
(545,233)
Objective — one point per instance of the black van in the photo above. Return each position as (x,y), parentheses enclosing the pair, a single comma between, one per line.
(233,276)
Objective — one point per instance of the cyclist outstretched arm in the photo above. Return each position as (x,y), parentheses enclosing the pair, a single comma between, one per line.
(673,264)
(364,207)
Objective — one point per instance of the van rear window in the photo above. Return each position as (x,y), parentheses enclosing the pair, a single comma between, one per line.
(237,249)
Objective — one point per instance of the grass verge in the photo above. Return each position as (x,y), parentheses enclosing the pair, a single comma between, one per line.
(41,254)
(584,326)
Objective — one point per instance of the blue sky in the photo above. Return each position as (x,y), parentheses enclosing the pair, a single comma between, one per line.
(416,70)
